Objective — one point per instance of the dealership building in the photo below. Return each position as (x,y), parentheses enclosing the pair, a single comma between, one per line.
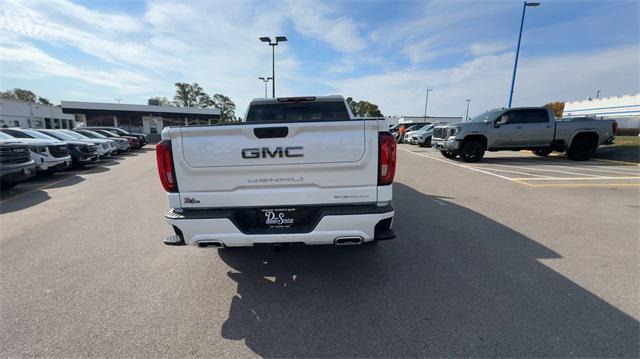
(15,113)
(148,119)
(624,109)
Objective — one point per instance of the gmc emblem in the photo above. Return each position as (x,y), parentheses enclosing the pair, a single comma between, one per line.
(265,152)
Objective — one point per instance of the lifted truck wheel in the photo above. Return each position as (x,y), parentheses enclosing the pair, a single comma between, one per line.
(472,150)
(582,149)
(448,154)
(542,152)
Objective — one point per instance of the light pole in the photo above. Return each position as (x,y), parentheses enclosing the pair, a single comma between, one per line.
(118,99)
(466,117)
(265,80)
(273,59)
(426,103)
(598,93)
(515,65)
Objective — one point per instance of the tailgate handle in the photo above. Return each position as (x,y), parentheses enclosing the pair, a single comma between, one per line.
(271,132)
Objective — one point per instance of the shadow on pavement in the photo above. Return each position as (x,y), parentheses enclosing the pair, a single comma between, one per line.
(29,200)
(453,283)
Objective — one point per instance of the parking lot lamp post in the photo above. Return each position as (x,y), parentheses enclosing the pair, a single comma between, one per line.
(515,65)
(273,59)
(265,80)
(598,93)
(466,117)
(426,103)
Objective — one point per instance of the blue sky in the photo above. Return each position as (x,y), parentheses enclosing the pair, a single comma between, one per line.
(387,52)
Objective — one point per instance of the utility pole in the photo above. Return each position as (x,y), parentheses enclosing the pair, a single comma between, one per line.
(273,59)
(426,103)
(515,64)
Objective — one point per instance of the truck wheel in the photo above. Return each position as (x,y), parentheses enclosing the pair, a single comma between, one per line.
(450,155)
(426,143)
(542,152)
(582,149)
(472,151)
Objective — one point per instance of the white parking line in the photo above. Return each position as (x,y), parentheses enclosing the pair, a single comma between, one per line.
(456,164)
(576,177)
(546,170)
(515,172)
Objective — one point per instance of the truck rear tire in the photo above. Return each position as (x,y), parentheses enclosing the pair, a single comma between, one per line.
(542,152)
(582,149)
(448,154)
(472,150)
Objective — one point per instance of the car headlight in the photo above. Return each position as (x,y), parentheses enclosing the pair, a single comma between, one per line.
(454,131)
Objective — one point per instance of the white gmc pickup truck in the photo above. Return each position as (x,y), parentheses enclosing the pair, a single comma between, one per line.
(298,169)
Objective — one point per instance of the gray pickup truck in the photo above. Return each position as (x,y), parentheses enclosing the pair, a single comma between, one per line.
(525,128)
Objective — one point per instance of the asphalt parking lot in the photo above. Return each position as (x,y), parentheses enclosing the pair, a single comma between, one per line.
(513,256)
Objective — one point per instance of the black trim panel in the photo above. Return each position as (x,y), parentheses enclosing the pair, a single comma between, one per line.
(244,218)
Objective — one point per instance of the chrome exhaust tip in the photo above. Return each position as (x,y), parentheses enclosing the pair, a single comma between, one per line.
(348,241)
(209,243)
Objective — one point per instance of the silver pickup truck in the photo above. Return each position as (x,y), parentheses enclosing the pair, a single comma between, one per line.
(525,128)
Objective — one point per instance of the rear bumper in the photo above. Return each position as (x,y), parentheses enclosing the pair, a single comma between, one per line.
(366,223)
(445,145)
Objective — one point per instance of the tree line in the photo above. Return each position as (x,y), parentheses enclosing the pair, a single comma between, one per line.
(193,95)
(24,95)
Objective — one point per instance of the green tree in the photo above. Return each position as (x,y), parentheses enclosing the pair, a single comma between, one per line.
(557,107)
(44,101)
(19,94)
(226,105)
(363,108)
(25,95)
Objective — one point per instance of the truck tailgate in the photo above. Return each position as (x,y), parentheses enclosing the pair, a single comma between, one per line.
(276,164)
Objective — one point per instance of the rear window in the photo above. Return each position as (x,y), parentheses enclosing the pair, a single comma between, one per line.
(298,112)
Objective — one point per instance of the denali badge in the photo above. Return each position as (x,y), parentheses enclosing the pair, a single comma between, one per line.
(265,152)
(190,200)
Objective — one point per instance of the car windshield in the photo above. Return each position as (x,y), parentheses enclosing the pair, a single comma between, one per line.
(4,136)
(118,131)
(105,133)
(36,134)
(61,135)
(486,116)
(92,134)
(75,135)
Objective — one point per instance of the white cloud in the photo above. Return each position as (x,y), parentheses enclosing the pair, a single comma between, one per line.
(320,21)
(485,80)
(482,49)
(46,65)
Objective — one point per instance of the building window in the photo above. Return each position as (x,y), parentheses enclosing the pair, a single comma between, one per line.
(16,123)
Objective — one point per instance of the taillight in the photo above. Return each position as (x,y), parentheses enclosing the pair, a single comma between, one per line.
(615,127)
(386,158)
(165,166)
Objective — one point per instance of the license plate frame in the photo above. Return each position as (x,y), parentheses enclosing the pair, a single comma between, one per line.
(277,217)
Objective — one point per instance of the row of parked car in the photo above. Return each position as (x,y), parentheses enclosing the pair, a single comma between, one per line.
(416,134)
(26,152)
